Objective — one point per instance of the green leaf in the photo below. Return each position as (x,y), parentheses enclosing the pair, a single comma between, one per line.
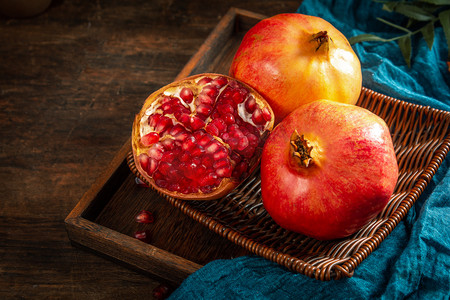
(437,2)
(405,46)
(413,12)
(365,38)
(394,25)
(428,34)
(444,18)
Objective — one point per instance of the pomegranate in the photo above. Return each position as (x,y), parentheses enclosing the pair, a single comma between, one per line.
(292,59)
(198,138)
(327,169)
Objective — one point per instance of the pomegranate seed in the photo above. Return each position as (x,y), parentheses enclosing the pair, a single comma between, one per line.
(204,81)
(240,169)
(204,140)
(250,104)
(207,161)
(197,151)
(204,109)
(196,123)
(209,179)
(266,114)
(143,161)
(182,136)
(162,183)
(237,97)
(221,163)
(243,143)
(163,124)
(257,117)
(229,119)
(185,119)
(219,81)
(212,129)
(150,139)
(220,124)
(145,217)
(204,99)
(224,172)
(187,95)
(140,183)
(155,152)
(220,154)
(188,143)
(213,147)
(152,166)
(143,236)
(210,90)
(153,120)
(185,157)
(176,130)
(161,292)
(225,108)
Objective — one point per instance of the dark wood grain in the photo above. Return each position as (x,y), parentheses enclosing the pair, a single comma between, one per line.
(71,80)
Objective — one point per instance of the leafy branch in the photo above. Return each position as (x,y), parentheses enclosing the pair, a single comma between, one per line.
(422,17)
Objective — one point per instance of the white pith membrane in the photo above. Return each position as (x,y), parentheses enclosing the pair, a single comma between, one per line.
(188,147)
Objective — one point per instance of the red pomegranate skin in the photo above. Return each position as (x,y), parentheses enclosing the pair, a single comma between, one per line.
(351,177)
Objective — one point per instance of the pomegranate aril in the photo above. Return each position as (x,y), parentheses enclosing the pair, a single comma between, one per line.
(207,161)
(204,81)
(176,129)
(143,161)
(237,97)
(224,172)
(204,109)
(143,236)
(145,217)
(221,163)
(210,90)
(219,81)
(197,151)
(257,117)
(140,183)
(204,140)
(204,99)
(250,104)
(225,108)
(243,143)
(163,124)
(185,157)
(168,144)
(266,114)
(164,167)
(162,183)
(174,187)
(233,142)
(229,118)
(220,154)
(153,120)
(220,124)
(161,292)
(150,139)
(212,129)
(196,123)
(212,147)
(240,169)
(152,166)
(156,151)
(188,143)
(187,95)
(185,119)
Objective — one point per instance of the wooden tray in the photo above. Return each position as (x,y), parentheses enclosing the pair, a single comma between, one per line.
(188,234)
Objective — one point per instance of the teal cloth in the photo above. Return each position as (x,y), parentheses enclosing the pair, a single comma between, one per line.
(413,262)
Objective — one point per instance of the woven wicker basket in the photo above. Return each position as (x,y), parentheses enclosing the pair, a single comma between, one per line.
(421,140)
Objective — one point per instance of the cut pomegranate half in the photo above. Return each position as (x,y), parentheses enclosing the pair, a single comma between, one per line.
(198,138)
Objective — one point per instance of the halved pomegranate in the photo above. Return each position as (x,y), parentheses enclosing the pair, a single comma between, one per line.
(198,138)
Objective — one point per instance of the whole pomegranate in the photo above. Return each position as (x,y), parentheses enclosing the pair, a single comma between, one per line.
(327,169)
(292,59)
(198,138)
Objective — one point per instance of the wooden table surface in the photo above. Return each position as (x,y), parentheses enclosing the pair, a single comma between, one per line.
(71,80)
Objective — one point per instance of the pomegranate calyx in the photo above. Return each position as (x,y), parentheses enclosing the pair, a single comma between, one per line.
(300,151)
(322,39)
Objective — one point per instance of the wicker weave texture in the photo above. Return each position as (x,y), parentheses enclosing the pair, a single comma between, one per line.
(421,141)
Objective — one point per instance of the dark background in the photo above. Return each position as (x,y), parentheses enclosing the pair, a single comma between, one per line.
(71,80)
